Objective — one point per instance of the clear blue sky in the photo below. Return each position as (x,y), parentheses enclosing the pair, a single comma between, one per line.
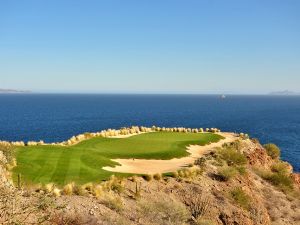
(150,46)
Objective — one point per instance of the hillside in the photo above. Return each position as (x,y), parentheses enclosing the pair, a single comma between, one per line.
(241,183)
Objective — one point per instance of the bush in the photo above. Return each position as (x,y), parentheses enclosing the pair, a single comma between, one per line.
(201,221)
(98,191)
(113,202)
(8,152)
(242,170)
(272,150)
(226,173)
(147,177)
(232,157)
(157,176)
(174,174)
(163,210)
(74,219)
(114,184)
(240,197)
(68,189)
(280,167)
(197,203)
(281,180)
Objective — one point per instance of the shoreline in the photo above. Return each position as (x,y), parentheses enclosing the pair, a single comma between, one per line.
(111,133)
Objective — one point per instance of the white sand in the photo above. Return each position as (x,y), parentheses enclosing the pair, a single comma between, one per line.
(149,166)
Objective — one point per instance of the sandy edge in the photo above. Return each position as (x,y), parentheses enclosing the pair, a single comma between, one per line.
(146,166)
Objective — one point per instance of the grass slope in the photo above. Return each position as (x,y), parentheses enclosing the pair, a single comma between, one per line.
(83,162)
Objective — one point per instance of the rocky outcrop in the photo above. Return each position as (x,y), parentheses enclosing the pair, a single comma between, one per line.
(167,200)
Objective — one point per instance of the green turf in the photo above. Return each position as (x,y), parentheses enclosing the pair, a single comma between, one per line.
(83,162)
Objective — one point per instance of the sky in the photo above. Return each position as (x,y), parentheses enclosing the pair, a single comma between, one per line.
(150,46)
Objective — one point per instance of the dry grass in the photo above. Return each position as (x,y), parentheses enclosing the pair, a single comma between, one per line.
(226,173)
(241,198)
(113,202)
(157,176)
(232,156)
(163,210)
(68,189)
(72,219)
(272,150)
(197,202)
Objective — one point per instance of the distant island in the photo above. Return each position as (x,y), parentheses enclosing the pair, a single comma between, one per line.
(8,91)
(285,92)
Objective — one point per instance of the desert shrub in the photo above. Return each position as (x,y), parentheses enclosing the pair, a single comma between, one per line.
(174,174)
(226,173)
(114,184)
(190,172)
(255,140)
(280,167)
(133,178)
(68,189)
(281,180)
(157,176)
(79,190)
(115,219)
(163,210)
(197,203)
(71,218)
(202,221)
(242,170)
(232,156)
(98,191)
(113,202)
(15,208)
(272,150)
(147,177)
(8,152)
(200,162)
(49,187)
(56,192)
(240,197)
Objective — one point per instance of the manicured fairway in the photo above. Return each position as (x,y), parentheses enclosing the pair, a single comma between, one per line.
(83,162)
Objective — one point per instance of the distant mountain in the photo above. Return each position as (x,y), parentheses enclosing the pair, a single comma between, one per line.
(286,92)
(8,91)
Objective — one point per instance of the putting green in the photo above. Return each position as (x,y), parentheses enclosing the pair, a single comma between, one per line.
(83,162)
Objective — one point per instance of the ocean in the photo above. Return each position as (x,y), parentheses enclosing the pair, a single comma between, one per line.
(57,117)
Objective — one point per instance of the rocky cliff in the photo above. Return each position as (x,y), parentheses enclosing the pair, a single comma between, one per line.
(238,184)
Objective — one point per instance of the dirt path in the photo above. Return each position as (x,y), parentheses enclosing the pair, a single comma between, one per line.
(149,166)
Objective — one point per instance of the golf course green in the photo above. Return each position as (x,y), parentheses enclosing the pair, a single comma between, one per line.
(83,162)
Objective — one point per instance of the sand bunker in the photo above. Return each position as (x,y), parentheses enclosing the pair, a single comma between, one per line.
(146,166)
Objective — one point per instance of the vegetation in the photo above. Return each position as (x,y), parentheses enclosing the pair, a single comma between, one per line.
(8,152)
(280,167)
(83,162)
(240,197)
(113,202)
(232,156)
(197,203)
(278,176)
(226,173)
(147,177)
(272,150)
(164,210)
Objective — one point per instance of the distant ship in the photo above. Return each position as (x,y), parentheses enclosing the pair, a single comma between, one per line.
(222,96)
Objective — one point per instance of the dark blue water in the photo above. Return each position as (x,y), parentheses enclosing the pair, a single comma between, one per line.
(57,117)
